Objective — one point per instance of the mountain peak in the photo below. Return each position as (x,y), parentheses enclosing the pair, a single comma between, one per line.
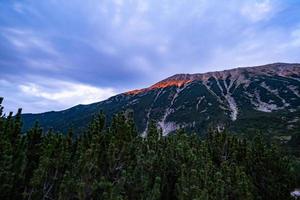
(178,80)
(281,69)
(238,98)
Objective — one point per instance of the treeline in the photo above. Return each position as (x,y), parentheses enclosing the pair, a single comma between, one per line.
(116,163)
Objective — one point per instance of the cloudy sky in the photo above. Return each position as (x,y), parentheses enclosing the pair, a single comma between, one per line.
(55,54)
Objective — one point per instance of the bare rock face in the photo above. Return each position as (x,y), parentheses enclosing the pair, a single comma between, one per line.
(238,74)
(265,97)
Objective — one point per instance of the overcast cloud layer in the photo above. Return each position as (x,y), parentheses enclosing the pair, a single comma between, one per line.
(55,54)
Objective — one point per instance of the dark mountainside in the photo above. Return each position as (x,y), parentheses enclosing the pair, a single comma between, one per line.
(240,100)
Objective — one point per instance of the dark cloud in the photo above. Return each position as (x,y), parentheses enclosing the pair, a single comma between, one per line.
(117,45)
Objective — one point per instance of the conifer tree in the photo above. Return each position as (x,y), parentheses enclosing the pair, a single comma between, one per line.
(113,162)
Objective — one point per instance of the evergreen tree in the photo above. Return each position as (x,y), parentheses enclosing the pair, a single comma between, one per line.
(113,162)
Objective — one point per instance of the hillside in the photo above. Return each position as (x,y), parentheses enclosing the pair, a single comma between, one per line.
(242,99)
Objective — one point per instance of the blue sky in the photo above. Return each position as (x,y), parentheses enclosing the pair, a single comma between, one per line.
(55,54)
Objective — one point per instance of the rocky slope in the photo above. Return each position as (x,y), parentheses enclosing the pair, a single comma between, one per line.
(242,99)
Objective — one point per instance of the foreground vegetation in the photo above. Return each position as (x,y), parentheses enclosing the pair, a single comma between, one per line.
(115,163)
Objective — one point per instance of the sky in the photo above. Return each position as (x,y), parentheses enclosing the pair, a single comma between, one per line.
(55,54)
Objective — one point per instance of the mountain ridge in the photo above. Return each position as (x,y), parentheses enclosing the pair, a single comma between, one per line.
(182,78)
(224,99)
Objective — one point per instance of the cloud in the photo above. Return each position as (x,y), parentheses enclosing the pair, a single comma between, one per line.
(67,93)
(18,7)
(132,44)
(142,6)
(140,63)
(25,40)
(58,94)
(257,10)
(295,41)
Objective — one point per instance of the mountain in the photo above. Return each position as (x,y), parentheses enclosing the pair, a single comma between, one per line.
(265,98)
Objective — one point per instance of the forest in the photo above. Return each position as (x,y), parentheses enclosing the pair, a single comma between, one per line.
(112,161)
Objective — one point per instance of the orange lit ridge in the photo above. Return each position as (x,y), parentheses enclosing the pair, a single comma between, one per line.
(164,84)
